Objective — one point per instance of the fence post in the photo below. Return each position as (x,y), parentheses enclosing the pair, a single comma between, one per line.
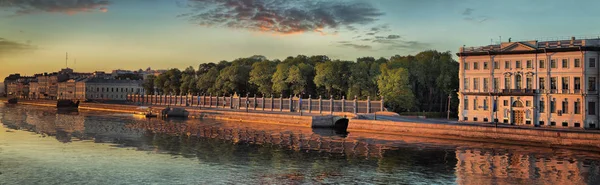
(281,103)
(355,104)
(382,102)
(343,103)
(239,103)
(368,104)
(291,103)
(272,101)
(309,103)
(247,101)
(210,100)
(263,102)
(331,104)
(217,102)
(224,101)
(254,104)
(320,104)
(299,104)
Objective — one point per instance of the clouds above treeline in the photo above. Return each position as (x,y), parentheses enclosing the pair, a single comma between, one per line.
(21,7)
(282,16)
(8,47)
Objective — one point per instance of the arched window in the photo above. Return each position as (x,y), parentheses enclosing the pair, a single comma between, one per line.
(518,104)
(518,80)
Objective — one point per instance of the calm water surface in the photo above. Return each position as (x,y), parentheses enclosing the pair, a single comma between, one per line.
(42,146)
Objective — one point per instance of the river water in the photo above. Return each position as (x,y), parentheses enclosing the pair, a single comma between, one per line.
(42,146)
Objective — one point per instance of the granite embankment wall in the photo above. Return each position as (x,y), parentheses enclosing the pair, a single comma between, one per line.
(589,140)
(578,139)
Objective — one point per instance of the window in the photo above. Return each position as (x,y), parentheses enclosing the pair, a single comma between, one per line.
(496,83)
(542,64)
(565,106)
(528,103)
(577,63)
(505,102)
(577,125)
(592,62)
(485,65)
(565,124)
(518,64)
(486,81)
(117,89)
(466,104)
(553,83)
(485,104)
(553,106)
(577,107)
(552,123)
(496,65)
(465,65)
(97,89)
(466,83)
(518,82)
(475,65)
(529,83)
(591,108)
(542,83)
(542,106)
(475,104)
(565,83)
(565,63)
(591,83)
(475,83)
(553,63)
(506,64)
(507,82)
(529,64)
(577,83)
(541,122)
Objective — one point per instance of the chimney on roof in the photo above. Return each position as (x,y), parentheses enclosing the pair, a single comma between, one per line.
(572,40)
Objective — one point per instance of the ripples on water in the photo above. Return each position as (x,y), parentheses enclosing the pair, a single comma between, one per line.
(40,146)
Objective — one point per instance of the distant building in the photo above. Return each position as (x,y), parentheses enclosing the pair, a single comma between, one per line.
(20,87)
(548,84)
(72,89)
(2,92)
(112,89)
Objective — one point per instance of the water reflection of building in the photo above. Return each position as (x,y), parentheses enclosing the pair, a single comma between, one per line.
(516,167)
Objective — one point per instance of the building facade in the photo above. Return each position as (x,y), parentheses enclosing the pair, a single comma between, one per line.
(112,89)
(547,84)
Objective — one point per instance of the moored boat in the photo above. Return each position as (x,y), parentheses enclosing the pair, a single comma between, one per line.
(13,101)
(67,104)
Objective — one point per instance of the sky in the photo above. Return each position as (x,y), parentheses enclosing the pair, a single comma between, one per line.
(102,35)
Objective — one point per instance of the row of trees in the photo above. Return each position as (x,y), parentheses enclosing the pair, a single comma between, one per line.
(408,83)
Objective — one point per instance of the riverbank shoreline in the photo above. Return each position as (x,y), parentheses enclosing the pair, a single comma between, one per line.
(569,139)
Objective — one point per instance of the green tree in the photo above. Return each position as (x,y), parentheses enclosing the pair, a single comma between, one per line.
(262,75)
(279,78)
(206,81)
(188,82)
(394,86)
(160,83)
(174,81)
(148,84)
(299,78)
(233,79)
(333,76)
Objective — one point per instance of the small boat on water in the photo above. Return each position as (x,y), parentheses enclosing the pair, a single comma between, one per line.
(147,112)
(13,101)
(67,104)
(174,112)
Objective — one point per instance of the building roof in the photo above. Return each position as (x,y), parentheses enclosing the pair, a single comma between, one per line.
(105,80)
(524,47)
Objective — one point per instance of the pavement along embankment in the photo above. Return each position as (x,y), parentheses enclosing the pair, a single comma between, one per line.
(575,139)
